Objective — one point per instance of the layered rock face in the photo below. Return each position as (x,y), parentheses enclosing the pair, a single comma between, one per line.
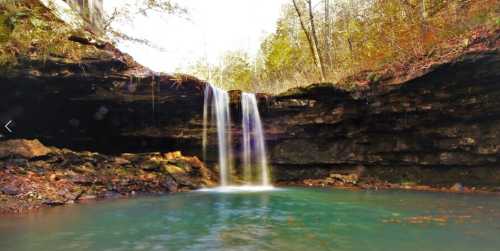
(437,126)
(110,104)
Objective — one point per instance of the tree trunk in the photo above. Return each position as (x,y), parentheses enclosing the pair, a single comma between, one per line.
(309,38)
(315,41)
(327,34)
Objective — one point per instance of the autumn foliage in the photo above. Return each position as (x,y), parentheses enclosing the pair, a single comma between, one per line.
(358,35)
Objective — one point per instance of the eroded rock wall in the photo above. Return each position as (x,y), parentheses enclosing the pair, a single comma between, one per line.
(440,127)
(435,125)
(110,105)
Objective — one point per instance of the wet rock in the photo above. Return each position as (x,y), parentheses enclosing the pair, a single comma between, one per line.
(23,148)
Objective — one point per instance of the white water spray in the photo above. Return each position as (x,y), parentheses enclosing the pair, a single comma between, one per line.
(220,104)
(206,97)
(254,148)
(254,159)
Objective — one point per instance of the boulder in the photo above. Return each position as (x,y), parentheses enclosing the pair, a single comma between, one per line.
(23,148)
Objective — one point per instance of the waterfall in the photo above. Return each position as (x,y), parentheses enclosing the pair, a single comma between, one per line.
(220,107)
(206,97)
(254,148)
(254,159)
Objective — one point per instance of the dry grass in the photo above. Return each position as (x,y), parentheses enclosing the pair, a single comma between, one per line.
(30,31)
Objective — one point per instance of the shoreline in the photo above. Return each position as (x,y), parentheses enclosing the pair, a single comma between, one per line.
(37,207)
(34,176)
(465,190)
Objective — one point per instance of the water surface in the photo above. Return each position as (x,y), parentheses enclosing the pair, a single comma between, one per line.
(285,219)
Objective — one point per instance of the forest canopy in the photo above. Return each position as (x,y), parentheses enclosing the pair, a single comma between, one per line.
(314,41)
(326,40)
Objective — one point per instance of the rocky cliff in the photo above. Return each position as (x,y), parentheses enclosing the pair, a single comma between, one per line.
(438,124)
(108,104)
(432,124)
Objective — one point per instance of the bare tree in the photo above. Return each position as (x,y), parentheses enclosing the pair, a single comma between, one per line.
(321,65)
(328,43)
(311,36)
(127,12)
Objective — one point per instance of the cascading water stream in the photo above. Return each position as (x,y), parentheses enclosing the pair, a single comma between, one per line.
(254,159)
(254,148)
(220,105)
(206,98)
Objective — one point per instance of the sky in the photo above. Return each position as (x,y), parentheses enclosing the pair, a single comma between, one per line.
(211,28)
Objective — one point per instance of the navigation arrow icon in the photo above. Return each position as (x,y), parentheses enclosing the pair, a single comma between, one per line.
(7,126)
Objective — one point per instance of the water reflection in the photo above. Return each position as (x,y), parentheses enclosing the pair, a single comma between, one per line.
(223,221)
